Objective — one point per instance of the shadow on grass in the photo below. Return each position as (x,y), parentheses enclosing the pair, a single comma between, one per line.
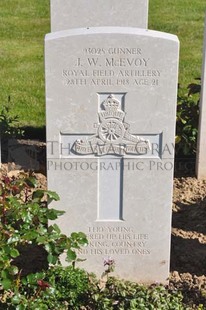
(34,133)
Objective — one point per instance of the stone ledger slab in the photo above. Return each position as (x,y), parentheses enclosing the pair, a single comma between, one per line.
(111,105)
(201,143)
(66,14)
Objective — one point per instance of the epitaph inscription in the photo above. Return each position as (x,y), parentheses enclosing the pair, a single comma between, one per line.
(119,240)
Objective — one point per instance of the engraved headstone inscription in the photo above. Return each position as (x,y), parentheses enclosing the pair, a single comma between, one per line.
(66,14)
(201,144)
(111,105)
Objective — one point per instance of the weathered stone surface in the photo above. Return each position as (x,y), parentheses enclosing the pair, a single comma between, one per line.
(66,14)
(111,105)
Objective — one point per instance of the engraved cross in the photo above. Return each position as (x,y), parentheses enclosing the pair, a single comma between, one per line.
(111,144)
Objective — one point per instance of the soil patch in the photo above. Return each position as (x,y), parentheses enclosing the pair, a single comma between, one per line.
(188,247)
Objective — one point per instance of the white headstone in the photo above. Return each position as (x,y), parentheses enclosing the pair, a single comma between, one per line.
(66,14)
(201,143)
(111,103)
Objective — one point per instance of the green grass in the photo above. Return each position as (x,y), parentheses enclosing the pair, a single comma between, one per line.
(185,18)
(23,24)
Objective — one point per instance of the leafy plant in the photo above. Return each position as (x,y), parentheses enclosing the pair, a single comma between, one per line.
(72,288)
(71,285)
(187,121)
(23,222)
(120,295)
(9,124)
(9,129)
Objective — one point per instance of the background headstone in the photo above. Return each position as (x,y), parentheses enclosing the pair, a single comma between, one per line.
(201,143)
(111,105)
(66,14)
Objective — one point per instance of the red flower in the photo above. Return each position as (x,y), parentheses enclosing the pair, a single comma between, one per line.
(6,180)
(43,285)
(15,189)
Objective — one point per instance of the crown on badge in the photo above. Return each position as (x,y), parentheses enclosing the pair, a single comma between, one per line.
(111,103)
(112,109)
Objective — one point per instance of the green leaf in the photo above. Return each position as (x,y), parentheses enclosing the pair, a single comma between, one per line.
(26,216)
(4,274)
(31,181)
(24,281)
(55,228)
(52,196)
(13,239)
(71,255)
(41,239)
(6,283)
(52,259)
(74,235)
(6,249)
(16,299)
(81,235)
(31,278)
(83,241)
(30,235)
(48,247)
(13,270)
(41,230)
(21,307)
(14,253)
(53,214)
(38,194)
